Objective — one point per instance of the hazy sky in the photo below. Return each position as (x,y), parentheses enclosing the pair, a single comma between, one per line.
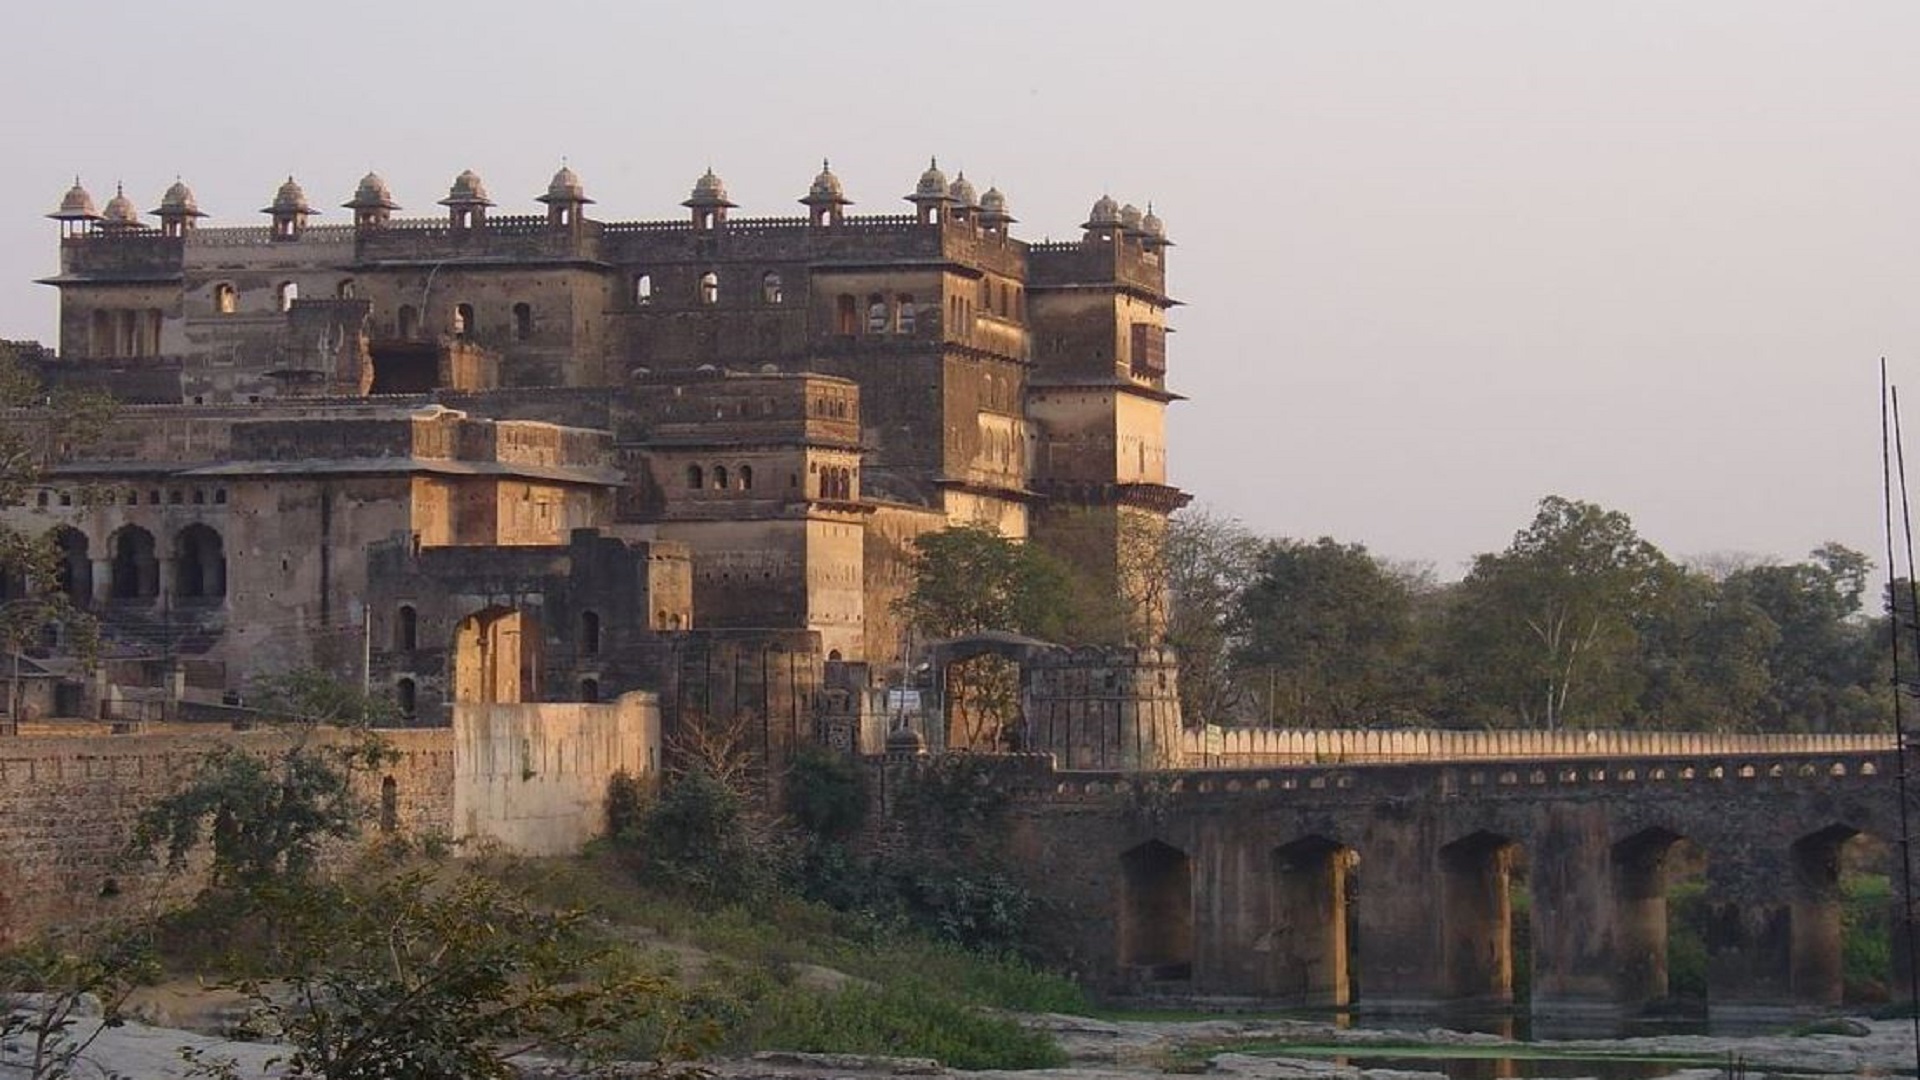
(1441,258)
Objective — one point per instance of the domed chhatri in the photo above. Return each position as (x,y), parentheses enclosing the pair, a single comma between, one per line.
(120,213)
(905,742)
(709,192)
(1104,215)
(372,194)
(826,187)
(178,209)
(76,205)
(467,191)
(1155,229)
(1130,218)
(290,199)
(565,187)
(962,193)
(932,186)
(178,201)
(993,209)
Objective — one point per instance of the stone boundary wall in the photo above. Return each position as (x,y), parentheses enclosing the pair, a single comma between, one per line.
(1236,748)
(68,804)
(533,777)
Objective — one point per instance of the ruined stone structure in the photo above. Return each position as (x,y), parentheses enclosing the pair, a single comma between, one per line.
(766,411)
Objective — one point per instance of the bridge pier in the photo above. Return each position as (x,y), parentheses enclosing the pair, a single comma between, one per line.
(1586,935)
(1399,963)
(1476,920)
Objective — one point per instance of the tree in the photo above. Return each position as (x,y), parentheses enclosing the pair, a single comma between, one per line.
(266,818)
(1547,631)
(1824,659)
(1330,630)
(969,578)
(1208,561)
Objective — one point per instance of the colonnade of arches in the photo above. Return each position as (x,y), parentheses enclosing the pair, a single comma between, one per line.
(132,564)
(1479,924)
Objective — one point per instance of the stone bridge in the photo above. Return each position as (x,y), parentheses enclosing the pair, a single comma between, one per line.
(1333,868)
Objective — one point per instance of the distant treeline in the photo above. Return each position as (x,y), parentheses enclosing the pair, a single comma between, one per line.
(1579,622)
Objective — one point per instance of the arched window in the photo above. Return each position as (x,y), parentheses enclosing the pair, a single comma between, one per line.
(746,478)
(720,477)
(463,323)
(846,314)
(589,690)
(709,288)
(199,564)
(522,321)
(590,633)
(407,696)
(770,288)
(907,316)
(225,300)
(406,323)
(285,294)
(220,496)
(643,289)
(135,567)
(406,629)
(876,314)
(344,290)
(696,479)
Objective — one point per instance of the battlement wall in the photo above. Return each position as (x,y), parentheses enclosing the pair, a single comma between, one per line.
(1216,747)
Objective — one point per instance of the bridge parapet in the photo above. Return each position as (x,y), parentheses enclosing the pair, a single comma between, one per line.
(1248,748)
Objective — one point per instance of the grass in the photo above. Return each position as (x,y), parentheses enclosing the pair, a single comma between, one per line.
(912,996)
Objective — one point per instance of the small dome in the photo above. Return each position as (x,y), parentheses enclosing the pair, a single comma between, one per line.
(566,187)
(76,205)
(1152,225)
(933,183)
(994,201)
(467,190)
(962,191)
(178,202)
(120,209)
(1130,217)
(826,187)
(709,190)
(1105,212)
(372,194)
(290,199)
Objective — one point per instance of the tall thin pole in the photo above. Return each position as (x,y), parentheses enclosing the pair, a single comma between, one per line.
(1892,452)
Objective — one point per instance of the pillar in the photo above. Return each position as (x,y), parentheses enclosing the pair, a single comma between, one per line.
(1749,937)
(1476,916)
(1397,944)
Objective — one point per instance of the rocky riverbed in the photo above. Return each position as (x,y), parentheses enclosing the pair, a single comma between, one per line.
(1229,1048)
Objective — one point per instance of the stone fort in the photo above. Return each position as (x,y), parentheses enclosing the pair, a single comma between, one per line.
(560,484)
(495,458)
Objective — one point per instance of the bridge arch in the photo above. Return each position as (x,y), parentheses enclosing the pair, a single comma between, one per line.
(1822,863)
(1310,946)
(1643,867)
(1476,917)
(1156,913)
